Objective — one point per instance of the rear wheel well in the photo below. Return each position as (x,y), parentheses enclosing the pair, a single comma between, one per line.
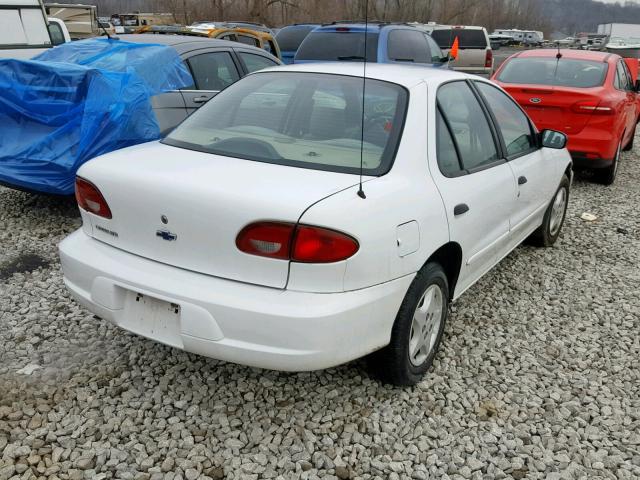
(449,256)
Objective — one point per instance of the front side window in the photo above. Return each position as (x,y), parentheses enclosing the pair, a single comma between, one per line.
(213,71)
(469,125)
(256,62)
(563,72)
(408,46)
(512,122)
(309,120)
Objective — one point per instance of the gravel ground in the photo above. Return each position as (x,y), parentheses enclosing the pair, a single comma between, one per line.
(538,378)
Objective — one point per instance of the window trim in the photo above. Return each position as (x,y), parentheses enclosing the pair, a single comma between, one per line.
(496,141)
(503,145)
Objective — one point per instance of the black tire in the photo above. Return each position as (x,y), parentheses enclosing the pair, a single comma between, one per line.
(393,364)
(547,233)
(629,146)
(606,176)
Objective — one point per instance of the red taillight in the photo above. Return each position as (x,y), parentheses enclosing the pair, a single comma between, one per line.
(90,199)
(488,59)
(301,243)
(592,107)
(319,245)
(266,239)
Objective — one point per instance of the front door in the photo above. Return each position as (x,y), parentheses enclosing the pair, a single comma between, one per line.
(533,172)
(476,184)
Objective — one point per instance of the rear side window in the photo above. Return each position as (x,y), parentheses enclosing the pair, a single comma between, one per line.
(336,46)
(566,72)
(466,38)
(408,46)
(247,40)
(57,37)
(468,124)
(513,124)
(213,71)
(448,160)
(256,62)
(623,79)
(290,38)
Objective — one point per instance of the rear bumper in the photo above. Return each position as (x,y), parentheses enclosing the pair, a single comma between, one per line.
(228,320)
(593,147)
(482,71)
(583,162)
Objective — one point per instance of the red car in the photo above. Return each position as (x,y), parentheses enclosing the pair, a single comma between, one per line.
(590,96)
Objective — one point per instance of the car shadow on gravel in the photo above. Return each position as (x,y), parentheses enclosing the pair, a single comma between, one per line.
(22,264)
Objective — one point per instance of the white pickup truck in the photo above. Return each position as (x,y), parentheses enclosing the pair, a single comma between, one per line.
(24,29)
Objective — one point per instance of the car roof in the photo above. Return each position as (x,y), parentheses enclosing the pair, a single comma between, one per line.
(406,75)
(173,40)
(371,27)
(566,53)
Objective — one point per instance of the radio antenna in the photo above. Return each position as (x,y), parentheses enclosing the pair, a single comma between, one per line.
(364,86)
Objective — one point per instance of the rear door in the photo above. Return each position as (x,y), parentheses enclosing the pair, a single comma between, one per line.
(212,71)
(534,172)
(476,184)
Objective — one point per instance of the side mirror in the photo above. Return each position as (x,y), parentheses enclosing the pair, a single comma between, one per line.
(553,139)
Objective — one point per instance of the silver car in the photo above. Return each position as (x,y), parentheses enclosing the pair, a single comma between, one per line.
(214,65)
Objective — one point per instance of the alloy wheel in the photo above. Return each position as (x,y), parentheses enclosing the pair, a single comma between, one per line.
(425,326)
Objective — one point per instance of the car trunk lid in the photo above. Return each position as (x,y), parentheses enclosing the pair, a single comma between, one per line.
(185,208)
(558,108)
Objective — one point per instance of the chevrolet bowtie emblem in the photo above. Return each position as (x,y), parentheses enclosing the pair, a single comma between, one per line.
(166,235)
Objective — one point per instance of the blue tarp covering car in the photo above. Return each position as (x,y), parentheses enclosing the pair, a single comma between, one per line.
(77,101)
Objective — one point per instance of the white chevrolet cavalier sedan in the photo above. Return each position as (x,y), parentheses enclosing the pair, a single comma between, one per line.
(244,235)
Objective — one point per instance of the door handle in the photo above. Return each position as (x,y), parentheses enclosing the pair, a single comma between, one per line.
(460,209)
(202,99)
(522,180)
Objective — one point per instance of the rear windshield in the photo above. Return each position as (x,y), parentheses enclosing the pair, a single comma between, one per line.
(336,46)
(290,38)
(565,72)
(466,38)
(310,120)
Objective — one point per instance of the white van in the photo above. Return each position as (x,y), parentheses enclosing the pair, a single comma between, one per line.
(24,29)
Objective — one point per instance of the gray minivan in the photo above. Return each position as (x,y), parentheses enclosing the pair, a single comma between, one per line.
(214,65)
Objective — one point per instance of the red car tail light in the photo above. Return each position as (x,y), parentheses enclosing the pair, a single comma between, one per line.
(488,60)
(319,245)
(301,243)
(266,239)
(592,107)
(90,199)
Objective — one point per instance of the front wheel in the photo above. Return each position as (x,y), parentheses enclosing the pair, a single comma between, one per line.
(417,331)
(547,234)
